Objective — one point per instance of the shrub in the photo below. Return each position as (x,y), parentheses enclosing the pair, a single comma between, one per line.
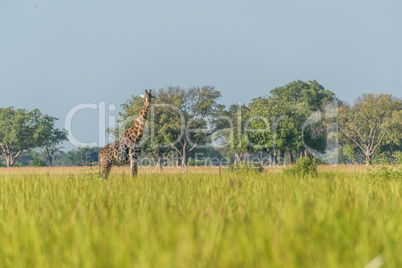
(246,168)
(386,172)
(304,166)
(191,162)
(390,158)
(38,162)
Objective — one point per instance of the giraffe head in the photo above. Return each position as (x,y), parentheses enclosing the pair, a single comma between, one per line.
(147,97)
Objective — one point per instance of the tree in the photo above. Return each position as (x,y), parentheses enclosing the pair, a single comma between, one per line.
(372,122)
(23,130)
(267,134)
(233,136)
(285,110)
(194,121)
(38,161)
(83,156)
(310,93)
(52,155)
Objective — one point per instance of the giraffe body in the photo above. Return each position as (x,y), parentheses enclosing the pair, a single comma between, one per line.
(126,149)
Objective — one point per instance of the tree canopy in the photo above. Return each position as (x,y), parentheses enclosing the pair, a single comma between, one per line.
(372,122)
(24,130)
(285,110)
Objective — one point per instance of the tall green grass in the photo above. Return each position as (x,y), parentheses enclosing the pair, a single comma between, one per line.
(341,219)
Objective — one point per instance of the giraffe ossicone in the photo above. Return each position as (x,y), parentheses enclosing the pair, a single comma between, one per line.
(126,149)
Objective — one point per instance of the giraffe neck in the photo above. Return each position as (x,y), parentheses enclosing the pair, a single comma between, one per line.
(140,121)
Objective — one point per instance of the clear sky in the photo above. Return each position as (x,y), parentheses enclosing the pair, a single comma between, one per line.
(55,54)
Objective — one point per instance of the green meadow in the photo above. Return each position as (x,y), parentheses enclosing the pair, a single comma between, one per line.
(342,218)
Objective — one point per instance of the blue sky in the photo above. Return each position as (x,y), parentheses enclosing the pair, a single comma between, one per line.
(57,54)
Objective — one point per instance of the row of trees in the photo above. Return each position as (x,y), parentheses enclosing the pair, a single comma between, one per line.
(85,156)
(298,119)
(274,123)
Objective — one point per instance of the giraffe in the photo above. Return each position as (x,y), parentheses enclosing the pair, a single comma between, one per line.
(126,149)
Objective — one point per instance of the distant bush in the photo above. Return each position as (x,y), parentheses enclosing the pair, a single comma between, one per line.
(304,166)
(390,158)
(191,162)
(38,162)
(386,172)
(18,164)
(246,168)
(93,164)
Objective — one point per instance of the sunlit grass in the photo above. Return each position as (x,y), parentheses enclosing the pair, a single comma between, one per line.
(118,171)
(69,217)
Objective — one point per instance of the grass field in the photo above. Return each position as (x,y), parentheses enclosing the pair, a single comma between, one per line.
(63,217)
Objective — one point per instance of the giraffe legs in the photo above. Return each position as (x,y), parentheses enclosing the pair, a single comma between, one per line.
(133,167)
(105,170)
(134,162)
(107,158)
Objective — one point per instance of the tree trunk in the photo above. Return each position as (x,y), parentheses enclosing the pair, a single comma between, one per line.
(290,157)
(158,162)
(240,157)
(261,158)
(49,158)
(237,158)
(271,158)
(368,160)
(52,156)
(274,158)
(184,159)
(160,166)
(281,159)
(9,160)
(11,157)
